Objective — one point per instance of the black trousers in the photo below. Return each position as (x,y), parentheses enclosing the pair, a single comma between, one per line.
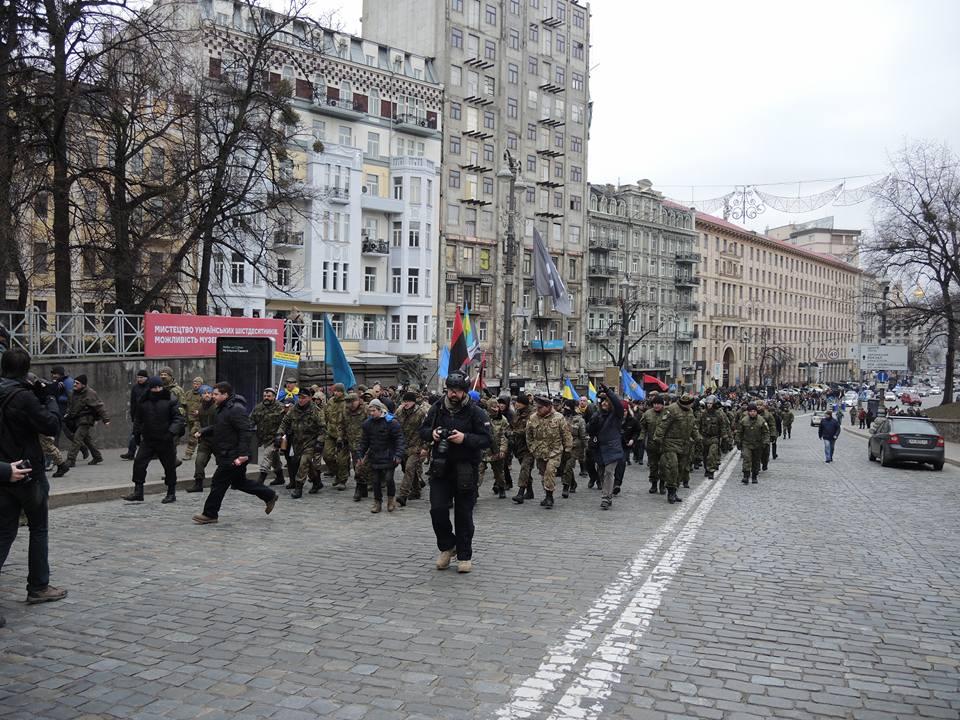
(163,450)
(31,499)
(382,476)
(232,476)
(445,489)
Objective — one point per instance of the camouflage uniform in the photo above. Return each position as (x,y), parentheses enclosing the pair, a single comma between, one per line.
(786,417)
(771,434)
(85,407)
(677,436)
(353,432)
(267,416)
(495,455)
(578,433)
(50,448)
(713,428)
(548,438)
(206,416)
(335,452)
(518,445)
(192,401)
(303,428)
(649,423)
(410,421)
(752,436)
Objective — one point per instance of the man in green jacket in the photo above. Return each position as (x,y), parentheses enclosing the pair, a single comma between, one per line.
(752,436)
(677,435)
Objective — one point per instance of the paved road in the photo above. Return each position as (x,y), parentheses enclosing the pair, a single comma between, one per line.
(824,591)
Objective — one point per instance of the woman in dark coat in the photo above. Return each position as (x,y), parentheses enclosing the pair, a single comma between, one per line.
(606,444)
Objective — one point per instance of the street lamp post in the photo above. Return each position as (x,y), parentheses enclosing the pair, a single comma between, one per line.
(509,172)
(673,365)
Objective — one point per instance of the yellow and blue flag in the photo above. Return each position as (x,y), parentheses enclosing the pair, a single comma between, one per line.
(631,388)
(568,391)
(591,392)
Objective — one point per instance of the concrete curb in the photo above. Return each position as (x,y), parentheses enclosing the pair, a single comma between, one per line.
(864,434)
(105,493)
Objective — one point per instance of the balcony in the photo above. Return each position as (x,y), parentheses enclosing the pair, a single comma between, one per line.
(415,125)
(552,21)
(411,163)
(550,122)
(478,62)
(686,281)
(549,213)
(688,257)
(728,270)
(376,248)
(286,239)
(340,195)
(549,152)
(337,107)
(603,244)
(602,271)
(601,301)
(479,98)
(598,335)
(375,203)
(478,134)
(687,307)
(547,345)
(685,336)
(552,88)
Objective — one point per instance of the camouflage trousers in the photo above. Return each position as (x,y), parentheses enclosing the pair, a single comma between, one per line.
(50,448)
(270,458)
(752,459)
(711,454)
(765,455)
(338,462)
(653,462)
(674,468)
(526,468)
(569,467)
(412,474)
(200,462)
(548,472)
(193,427)
(82,437)
(496,466)
(304,466)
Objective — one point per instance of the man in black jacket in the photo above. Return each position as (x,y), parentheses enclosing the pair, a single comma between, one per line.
(26,418)
(230,435)
(381,449)
(459,431)
(137,391)
(158,423)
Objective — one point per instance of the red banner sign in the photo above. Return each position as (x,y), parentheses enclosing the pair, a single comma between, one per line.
(180,336)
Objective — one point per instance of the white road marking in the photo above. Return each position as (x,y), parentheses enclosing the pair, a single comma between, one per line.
(585,697)
(560,659)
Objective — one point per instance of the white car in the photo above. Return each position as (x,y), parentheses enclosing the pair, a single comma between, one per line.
(935,390)
(850,398)
(817,416)
(889,397)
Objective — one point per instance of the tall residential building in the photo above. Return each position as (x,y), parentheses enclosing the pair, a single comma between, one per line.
(772,310)
(363,246)
(641,275)
(516,78)
(822,237)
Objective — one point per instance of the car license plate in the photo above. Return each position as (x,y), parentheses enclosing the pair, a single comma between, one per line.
(916,442)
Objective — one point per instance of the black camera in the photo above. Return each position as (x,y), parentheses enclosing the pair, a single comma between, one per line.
(27,465)
(438,461)
(46,388)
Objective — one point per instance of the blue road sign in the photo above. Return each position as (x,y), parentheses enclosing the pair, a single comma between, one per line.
(883,376)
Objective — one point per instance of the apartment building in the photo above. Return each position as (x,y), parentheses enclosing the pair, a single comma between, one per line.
(772,311)
(363,247)
(641,276)
(516,79)
(821,236)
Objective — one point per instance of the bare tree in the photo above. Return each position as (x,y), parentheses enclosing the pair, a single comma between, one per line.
(918,240)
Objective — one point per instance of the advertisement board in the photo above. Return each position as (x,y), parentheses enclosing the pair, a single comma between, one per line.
(882,357)
(183,336)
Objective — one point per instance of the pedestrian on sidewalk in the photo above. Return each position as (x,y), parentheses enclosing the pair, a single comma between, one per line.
(159,424)
(83,412)
(137,391)
(829,432)
(26,417)
(231,435)
(381,449)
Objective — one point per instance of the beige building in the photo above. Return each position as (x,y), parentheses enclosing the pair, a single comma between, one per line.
(771,310)
(820,236)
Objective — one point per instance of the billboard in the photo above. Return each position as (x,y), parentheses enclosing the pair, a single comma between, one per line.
(882,357)
(183,336)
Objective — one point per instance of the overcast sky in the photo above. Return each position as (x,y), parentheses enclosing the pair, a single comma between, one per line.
(699,92)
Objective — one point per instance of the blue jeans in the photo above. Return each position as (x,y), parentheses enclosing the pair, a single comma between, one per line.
(828,444)
(31,498)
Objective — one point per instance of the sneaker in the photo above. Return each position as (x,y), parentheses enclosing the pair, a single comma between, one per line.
(464,566)
(616,489)
(443,560)
(95,461)
(606,503)
(271,504)
(48,594)
(204,520)
(126,456)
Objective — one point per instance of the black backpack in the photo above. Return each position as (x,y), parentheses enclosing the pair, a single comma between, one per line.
(10,449)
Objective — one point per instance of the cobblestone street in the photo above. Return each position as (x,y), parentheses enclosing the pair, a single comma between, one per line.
(824,591)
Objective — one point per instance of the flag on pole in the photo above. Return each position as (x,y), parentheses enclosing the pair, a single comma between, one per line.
(444,364)
(591,392)
(480,383)
(458,346)
(631,388)
(473,345)
(569,392)
(333,356)
(547,279)
(650,379)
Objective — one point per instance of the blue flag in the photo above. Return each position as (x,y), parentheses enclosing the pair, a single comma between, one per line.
(631,388)
(444,367)
(334,358)
(591,392)
(569,392)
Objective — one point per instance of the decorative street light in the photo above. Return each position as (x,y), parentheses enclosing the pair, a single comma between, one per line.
(510,172)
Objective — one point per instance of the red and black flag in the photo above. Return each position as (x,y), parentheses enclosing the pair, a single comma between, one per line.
(458,346)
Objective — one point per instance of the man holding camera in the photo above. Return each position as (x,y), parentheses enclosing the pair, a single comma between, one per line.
(460,431)
(26,414)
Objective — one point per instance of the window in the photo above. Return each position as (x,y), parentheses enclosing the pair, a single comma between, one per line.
(558,169)
(560,76)
(454,178)
(369,279)
(558,200)
(453,214)
(455,111)
(572,268)
(527,260)
(576,113)
(325,275)
(411,328)
(236,268)
(513,111)
(578,18)
(576,144)
(561,43)
(512,141)
(413,281)
(488,152)
(490,50)
(531,131)
(576,173)
(514,39)
(41,204)
(456,76)
(369,327)
(283,272)
(395,281)
(416,186)
(396,235)
(398,188)
(456,38)
(531,163)
(373,144)
(534,32)
(394,327)
(558,140)
(576,81)
(488,186)
(577,50)
(484,259)
(575,202)
(346,135)
(41,254)
(454,144)
(573,234)
(490,15)
(456,6)
(414,235)
(482,324)
(373,185)
(489,120)
(533,67)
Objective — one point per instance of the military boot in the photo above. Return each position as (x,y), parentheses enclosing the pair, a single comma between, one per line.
(663,486)
(171,495)
(291,483)
(279,479)
(529,492)
(377,506)
(653,487)
(548,501)
(518,498)
(709,474)
(501,493)
(746,478)
(262,477)
(364,491)
(357,496)
(297,491)
(672,496)
(136,495)
(391,504)
(315,486)
(754,480)
(197,486)
(566,492)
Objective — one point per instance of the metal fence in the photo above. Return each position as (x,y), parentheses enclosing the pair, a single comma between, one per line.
(73,335)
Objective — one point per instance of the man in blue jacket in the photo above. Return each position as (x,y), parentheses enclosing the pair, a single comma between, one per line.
(381,449)
(829,432)
(605,440)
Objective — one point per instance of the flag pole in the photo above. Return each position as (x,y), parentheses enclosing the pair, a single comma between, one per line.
(543,353)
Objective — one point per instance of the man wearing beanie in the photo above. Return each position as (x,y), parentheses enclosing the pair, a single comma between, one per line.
(410,416)
(137,391)
(84,410)
(518,447)
(192,411)
(166,374)
(159,423)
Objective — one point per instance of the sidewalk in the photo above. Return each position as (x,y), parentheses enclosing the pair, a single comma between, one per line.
(111,479)
(951,454)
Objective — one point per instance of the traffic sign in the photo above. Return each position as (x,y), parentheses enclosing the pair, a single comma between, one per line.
(882,357)
(882,376)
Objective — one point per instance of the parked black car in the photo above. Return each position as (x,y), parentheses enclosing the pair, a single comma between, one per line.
(906,438)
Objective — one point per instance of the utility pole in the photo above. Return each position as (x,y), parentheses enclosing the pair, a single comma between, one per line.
(508,172)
